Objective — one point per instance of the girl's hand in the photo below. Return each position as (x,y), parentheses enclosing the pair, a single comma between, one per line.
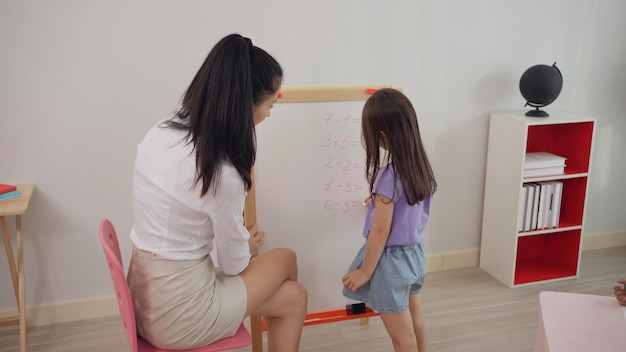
(256,240)
(620,292)
(367,201)
(356,279)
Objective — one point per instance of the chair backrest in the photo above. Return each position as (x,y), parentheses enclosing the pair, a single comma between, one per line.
(111,247)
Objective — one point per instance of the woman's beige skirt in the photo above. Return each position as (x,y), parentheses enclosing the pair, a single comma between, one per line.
(181,304)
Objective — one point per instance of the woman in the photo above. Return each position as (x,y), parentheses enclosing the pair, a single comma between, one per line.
(191,175)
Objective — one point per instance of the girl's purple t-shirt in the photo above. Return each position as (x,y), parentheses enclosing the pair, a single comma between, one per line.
(409,221)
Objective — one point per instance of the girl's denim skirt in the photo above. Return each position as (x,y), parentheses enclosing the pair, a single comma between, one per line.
(400,272)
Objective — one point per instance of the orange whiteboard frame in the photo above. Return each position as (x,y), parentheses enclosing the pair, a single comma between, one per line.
(304,94)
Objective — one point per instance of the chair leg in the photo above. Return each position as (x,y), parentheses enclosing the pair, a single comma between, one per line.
(256,328)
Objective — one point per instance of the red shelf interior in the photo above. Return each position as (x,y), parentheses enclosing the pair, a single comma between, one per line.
(573,200)
(547,256)
(333,316)
(569,140)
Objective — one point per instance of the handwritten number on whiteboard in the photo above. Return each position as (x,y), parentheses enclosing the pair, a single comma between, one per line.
(345,187)
(341,147)
(328,142)
(345,165)
(329,160)
(346,142)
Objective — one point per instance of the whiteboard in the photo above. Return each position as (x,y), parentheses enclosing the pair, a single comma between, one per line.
(309,185)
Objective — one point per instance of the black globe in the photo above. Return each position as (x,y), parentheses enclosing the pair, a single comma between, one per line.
(540,85)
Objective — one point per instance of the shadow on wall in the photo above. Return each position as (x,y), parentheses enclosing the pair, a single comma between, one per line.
(459,160)
(497,91)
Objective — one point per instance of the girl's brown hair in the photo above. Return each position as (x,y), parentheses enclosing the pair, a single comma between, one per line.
(389,121)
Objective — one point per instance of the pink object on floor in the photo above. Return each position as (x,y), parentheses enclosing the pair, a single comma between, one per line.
(575,322)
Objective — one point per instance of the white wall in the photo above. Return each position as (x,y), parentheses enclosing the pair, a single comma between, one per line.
(81,82)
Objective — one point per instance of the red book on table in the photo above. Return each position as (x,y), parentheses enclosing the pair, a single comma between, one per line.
(4,188)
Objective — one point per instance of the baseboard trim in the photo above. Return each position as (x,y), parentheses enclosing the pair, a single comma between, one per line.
(470,258)
(98,307)
(604,240)
(452,260)
(63,312)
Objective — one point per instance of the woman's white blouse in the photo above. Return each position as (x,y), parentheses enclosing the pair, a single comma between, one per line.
(171,220)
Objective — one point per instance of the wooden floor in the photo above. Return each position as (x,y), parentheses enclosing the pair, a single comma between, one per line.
(465,310)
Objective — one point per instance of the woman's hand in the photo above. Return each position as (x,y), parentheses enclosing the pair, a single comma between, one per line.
(620,292)
(256,240)
(356,279)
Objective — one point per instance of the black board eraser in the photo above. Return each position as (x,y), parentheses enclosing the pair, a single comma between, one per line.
(356,308)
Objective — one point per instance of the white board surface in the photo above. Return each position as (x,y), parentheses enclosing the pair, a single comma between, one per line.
(310,184)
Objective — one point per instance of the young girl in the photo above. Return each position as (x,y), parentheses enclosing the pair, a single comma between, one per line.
(388,271)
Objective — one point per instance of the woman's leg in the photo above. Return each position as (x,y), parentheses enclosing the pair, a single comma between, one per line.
(400,328)
(415,306)
(274,292)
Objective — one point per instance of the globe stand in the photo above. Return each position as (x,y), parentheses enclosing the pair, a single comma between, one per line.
(537,113)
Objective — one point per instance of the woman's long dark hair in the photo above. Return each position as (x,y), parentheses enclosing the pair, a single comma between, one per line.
(389,121)
(217,107)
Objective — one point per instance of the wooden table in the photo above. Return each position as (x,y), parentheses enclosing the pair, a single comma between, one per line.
(575,322)
(16,207)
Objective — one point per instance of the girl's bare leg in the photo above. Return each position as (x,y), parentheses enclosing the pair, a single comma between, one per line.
(400,328)
(415,306)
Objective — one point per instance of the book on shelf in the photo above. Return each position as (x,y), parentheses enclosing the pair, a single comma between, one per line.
(556,207)
(546,171)
(9,195)
(539,205)
(529,206)
(5,188)
(543,164)
(521,210)
(549,198)
(538,160)
(534,211)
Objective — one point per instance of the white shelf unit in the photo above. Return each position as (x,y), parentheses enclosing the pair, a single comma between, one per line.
(521,258)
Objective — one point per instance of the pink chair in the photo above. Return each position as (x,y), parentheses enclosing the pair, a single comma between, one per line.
(108,239)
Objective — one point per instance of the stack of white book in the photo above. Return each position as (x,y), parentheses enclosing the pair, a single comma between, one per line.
(543,164)
(540,205)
